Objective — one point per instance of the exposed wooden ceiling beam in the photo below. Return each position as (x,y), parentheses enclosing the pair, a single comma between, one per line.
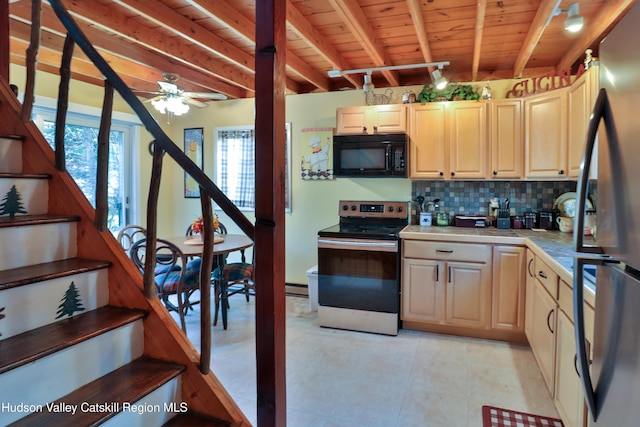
(589,33)
(477,43)
(354,19)
(113,22)
(421,32)
(540,21)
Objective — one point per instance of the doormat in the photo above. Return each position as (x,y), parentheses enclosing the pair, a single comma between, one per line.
(499,417)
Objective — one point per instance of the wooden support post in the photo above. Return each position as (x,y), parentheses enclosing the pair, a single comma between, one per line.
(63,102)
(205,282)
(270,205)
(32,60)
(4,40)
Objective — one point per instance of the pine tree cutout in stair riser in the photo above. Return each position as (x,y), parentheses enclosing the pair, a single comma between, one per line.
(11,203)
(70,302)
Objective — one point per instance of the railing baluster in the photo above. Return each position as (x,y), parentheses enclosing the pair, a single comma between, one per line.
(152,220)
(102,178)
(32,60)
(205,282)
(63,102)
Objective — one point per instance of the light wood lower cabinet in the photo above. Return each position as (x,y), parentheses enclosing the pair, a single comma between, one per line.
(542,337)
(508,293)
(446,284)
(530,277)
(568,388)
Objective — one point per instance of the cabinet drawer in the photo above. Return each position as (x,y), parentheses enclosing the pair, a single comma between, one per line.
(565,301)
(547,277)
(447,251)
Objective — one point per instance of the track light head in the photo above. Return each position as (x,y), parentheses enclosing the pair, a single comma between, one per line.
(574,21)
(439,80)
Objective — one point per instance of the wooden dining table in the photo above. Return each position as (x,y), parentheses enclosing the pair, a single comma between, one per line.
(193,245)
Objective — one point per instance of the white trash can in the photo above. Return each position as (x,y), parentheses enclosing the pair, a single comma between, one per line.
(312,277)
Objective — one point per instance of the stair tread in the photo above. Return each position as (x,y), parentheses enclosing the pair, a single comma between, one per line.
(19,220)
(48,270)
(25,175)
(129,383)
(190,419)
(40,342)
(7,136)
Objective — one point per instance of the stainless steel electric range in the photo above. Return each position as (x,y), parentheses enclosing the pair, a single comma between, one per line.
(359,267)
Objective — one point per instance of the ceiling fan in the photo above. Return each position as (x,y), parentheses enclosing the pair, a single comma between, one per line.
(173,99)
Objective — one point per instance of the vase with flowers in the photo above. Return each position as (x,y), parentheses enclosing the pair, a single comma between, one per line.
(197,226)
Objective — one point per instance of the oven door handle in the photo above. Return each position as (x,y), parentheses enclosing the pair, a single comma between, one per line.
(371,245)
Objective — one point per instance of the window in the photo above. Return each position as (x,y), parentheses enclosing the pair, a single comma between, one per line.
(81,151)
(235,165)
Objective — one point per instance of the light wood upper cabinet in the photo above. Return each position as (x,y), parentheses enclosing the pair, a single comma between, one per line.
(372,119)
(581,97)
(506,132)
(508,288)
(428,141)
(546,135)
(448,140)
(468,140)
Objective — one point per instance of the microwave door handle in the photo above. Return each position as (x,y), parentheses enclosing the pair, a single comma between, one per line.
(601,111)
(389,158)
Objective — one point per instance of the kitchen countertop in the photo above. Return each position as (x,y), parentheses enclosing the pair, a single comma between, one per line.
(553,247)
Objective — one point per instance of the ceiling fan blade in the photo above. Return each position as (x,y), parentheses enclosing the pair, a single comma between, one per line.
(155,98)
(168,87)
(147,92)
(206,95)
(194,102)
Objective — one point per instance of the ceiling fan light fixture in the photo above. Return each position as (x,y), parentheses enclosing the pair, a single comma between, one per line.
(171,104)
(574,21)
(439,80)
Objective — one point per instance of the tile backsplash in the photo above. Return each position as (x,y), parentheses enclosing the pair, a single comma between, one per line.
(472,197)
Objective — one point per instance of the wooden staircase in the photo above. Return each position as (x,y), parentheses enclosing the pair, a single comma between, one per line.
(80,344)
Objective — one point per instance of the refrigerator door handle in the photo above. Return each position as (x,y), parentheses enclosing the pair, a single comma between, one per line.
(581,348)
(600,112)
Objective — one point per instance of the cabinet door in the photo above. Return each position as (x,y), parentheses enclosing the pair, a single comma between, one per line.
(508,288)
(352,120)
(543,339)
(428,141)
(568,388)
(388,118)
(422,290)
(507,138)
(468,295)
(467,128)
(530,280)
(581,98)
(546,135)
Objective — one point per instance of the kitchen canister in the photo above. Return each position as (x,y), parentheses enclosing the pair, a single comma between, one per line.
(425,219)
(442,219)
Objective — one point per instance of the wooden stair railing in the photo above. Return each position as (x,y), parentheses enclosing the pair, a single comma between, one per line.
(160,146)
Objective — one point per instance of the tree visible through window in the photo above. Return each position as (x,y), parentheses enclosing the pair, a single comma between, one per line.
(235,165)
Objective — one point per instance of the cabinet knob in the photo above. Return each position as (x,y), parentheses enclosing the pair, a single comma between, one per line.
(453,174)
(364,129)
(561,172)
(441,173)
(495,172)
(375,128)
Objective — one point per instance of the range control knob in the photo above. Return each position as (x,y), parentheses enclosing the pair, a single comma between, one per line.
(390,208)
(353,207)
(400,209)
(345,207)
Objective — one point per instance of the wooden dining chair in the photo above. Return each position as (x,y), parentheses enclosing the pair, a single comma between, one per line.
(177,279)
(230,279)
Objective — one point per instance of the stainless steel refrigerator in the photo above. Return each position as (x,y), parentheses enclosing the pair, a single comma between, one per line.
(612,384)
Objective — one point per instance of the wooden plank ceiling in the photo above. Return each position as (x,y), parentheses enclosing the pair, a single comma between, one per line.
(210,43)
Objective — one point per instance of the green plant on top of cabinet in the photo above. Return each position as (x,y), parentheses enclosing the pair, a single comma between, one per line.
(546,135)
(448,140)
(372,119)
(506,132)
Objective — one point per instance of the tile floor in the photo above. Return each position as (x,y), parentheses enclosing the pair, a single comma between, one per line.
(346,379)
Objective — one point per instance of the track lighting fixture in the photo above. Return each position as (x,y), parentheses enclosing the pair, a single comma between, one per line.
(368,84)
(439,80)
(574,21)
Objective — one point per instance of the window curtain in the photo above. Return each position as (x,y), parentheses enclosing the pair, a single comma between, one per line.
(237,166)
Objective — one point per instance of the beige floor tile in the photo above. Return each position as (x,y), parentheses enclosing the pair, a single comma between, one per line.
(352,379)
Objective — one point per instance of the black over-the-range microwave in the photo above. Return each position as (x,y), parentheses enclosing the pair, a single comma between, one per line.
(376,155)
